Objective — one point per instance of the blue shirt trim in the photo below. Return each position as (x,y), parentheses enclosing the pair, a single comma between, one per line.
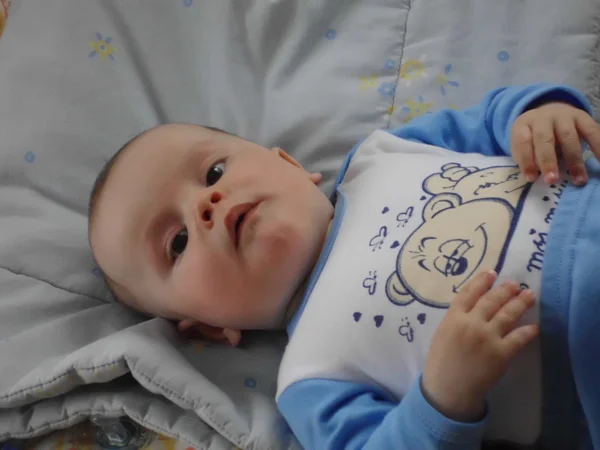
(339,201)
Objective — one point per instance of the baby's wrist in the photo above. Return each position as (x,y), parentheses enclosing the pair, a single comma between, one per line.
(462,408)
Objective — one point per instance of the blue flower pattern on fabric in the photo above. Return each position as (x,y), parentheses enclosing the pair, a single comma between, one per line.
(503,56)
(250,383)
(387,89)
(389,64)
(29,157)
(331,34)
(443,80)
(188,3)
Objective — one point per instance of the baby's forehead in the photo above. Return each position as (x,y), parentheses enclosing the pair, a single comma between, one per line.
(173,135)
(169,143)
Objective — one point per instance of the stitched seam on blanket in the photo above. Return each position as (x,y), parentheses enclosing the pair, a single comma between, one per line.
(53,285)
(201,407)
(393,107)
(57,378)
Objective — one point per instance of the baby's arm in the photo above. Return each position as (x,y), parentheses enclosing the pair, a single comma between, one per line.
(445,408)
(340,415)
(486,128)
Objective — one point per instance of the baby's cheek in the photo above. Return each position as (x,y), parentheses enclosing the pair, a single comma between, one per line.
(276,237)
(196,274)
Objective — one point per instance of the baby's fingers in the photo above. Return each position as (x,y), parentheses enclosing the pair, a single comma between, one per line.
(522,151)
(511,312)
(488,307)
(470,294)
(566,133)
(518,338)
(590,131)
(544,148)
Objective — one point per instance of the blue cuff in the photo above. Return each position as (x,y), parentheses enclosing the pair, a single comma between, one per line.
(441,427)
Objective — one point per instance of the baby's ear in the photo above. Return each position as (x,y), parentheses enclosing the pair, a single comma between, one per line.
(315,177)
(192,329)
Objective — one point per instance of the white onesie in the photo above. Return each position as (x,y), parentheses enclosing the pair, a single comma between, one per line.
(413,224)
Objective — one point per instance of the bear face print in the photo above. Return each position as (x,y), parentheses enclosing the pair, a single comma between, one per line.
(466,227)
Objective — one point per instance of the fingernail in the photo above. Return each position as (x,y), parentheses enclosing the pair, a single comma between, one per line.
(529,293)
(531,177)
(491,273)
(579,179)
(550,177)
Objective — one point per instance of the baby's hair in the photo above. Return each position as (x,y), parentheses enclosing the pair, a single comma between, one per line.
(103,176)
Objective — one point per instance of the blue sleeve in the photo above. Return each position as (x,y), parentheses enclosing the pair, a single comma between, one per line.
(486,128)
(340,415)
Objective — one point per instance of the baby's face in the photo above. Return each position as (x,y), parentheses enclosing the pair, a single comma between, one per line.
(196,224)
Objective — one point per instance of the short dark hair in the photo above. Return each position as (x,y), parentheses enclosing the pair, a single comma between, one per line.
(103,176)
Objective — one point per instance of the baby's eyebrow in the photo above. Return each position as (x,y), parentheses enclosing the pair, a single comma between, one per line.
(189,159)
(195,155)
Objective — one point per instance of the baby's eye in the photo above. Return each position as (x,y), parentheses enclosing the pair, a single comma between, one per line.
(215,173)
(178,244)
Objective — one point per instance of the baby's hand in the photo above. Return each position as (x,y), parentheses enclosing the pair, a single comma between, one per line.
(473,346)
(538,133)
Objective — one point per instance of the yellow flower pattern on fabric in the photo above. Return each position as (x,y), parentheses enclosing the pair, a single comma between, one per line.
(412,69)
(368,82)
(416,109)
(102,47)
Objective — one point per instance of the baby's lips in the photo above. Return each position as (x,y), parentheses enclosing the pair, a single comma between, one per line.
(232,217)
(236,213)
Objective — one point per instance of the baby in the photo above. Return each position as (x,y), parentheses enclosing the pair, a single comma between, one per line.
(409,295)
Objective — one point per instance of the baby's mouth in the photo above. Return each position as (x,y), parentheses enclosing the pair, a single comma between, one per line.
(235,220)
(237,230)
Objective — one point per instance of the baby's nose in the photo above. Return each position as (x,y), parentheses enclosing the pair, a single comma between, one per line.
(207,207)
